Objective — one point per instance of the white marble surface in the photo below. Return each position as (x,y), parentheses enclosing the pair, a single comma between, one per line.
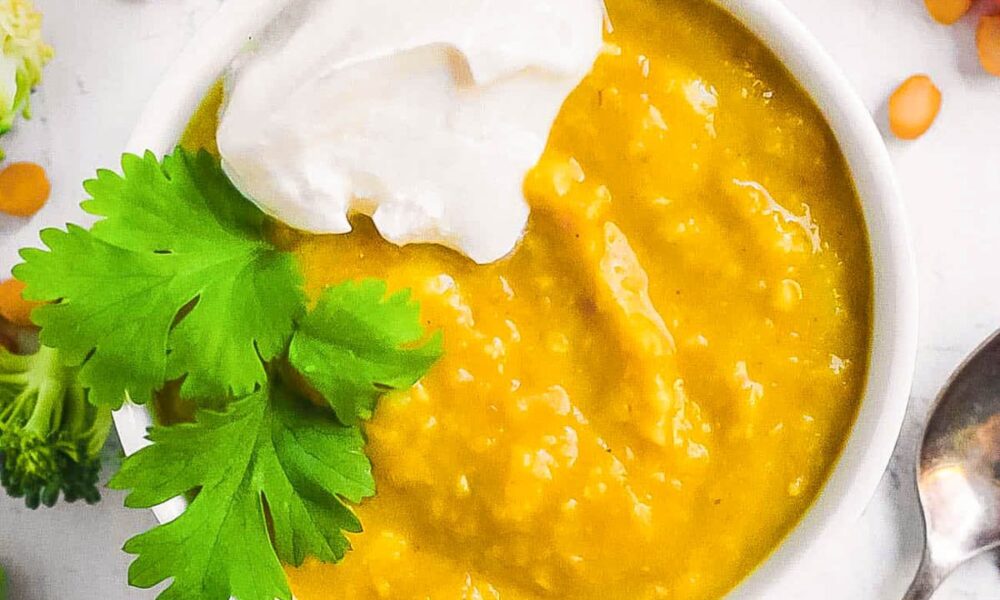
(111,53)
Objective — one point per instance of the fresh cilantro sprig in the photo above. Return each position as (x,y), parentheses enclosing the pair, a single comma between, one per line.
(271,447)
(276,449)
(276,453)
(176,280)
(352,357)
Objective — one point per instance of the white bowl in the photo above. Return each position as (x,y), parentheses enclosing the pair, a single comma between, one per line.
(873,436)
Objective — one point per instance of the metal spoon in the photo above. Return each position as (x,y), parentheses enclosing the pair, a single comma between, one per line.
(958,473)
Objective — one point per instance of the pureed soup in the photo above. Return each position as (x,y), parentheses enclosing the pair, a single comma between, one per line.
(646,396)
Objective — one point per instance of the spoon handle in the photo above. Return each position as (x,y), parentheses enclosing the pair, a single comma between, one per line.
(926,581)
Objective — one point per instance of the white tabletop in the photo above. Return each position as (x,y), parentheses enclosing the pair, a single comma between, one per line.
(112,52)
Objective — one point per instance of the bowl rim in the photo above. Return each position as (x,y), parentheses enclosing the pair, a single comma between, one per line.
(872,440)
(873,436)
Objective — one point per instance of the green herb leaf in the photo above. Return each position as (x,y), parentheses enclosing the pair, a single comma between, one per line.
(177,280)
(356,344)
(273,447)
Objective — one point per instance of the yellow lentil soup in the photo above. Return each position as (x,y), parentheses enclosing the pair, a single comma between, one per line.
(648,394)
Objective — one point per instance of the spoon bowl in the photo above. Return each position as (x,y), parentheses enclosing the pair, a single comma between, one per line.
(958,471)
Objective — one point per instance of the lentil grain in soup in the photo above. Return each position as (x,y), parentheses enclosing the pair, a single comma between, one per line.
(648,394)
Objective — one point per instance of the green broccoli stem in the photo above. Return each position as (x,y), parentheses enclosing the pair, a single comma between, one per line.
(14,378)
(76,410)
(98,433)
(48,376)
(14,363)
(19,406)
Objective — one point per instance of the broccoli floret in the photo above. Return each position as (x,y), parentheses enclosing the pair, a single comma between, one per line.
(23,53)
(50,435)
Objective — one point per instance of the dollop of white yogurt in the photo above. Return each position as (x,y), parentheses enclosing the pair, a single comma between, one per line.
(424,115)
